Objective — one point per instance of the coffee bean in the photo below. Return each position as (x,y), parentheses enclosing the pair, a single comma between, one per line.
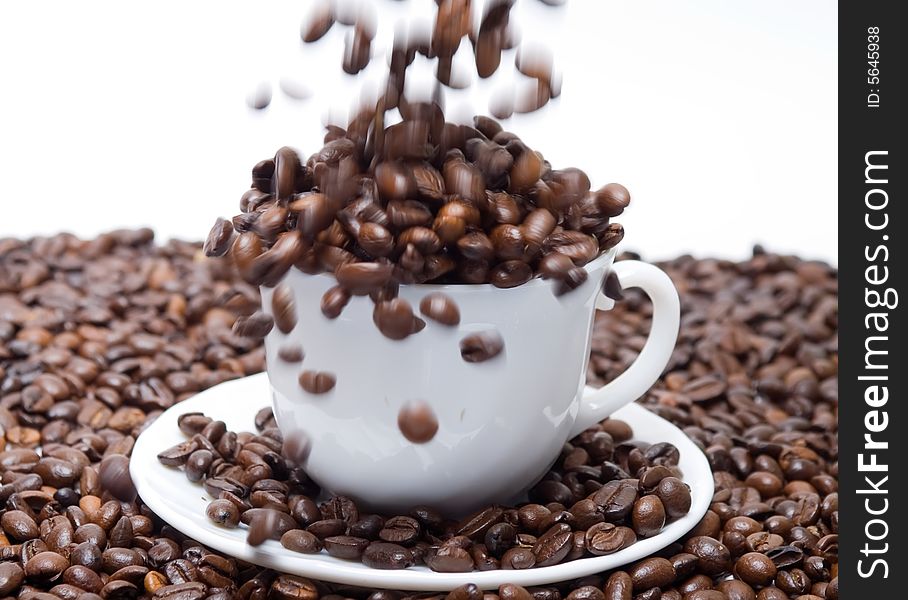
(553,545)
(224,513)
(267,524)
(219,239)
(755,569)
(449,559)
(510,273)
(518,557)
(400,530)
(319,23)
(18,525)
(480,347)
(713,557)
(606,538)
(440,308)
(648,516)
(300,540)
(675,497)
(345,546)
(283,308)
(417,422)
(384,555)
(317,382)
(394,318)
(291,354)
(255,326)
(616,499)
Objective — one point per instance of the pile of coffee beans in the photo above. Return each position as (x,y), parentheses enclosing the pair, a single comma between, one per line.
(98,336)
(589,504)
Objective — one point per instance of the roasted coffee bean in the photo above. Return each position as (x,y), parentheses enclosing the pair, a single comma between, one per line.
(384,555)
(300,540)
(440,308)
(518,557)
(394,318)
(255,326)
(616,499)
(345,546)
(283,308)
(400,530)
(651,572)
(510,274)
(224,513)
(480,347)
(319,22)
(219,239)
(553,545)
(317,382)
(326,528)
(266,524)
(648,516)
(755,569)
(417,422)
(606,538)
(713,557)
(449,559)
(675,497)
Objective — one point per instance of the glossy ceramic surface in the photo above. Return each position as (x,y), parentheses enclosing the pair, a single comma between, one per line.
(519,407)
(182,503)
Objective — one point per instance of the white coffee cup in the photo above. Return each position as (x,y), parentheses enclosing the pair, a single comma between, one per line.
(501,423)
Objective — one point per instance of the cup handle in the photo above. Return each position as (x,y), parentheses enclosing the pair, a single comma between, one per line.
(646,369)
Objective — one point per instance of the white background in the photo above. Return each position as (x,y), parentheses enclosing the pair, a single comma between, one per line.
(718,116)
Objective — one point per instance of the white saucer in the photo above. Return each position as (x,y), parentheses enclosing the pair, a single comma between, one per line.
(182,504)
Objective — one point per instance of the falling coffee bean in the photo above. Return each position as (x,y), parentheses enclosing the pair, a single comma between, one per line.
(440,308)
(283,308)
(417,422)
(317,382)
(480,347)
(255,326)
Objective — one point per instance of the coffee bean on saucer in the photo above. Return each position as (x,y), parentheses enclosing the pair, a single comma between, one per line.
(518,557)
(480,347)
(317,382)
(440,308)
(255,326)
(648,516)
(300,540)
(283,308)
(417,422)
(553,545)
(385,555)
(607,538)
(224,513)
(449,559)
(675,497)
(345,546)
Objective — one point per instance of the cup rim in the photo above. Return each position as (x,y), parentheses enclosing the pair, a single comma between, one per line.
(604,258)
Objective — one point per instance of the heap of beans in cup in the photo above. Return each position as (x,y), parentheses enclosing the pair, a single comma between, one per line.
(441,203)
(98,336)
(588,505)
